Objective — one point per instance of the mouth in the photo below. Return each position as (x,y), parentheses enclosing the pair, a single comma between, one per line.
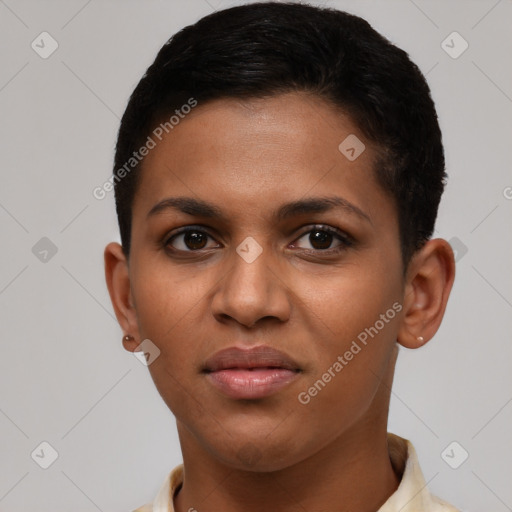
(250,373)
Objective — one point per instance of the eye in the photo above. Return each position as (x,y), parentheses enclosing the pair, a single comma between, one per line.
(322,237)
(189,239)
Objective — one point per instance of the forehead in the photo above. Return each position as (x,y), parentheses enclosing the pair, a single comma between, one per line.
(246,156)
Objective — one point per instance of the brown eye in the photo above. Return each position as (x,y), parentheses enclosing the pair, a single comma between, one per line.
(194,240)
(321,239)
(189,240)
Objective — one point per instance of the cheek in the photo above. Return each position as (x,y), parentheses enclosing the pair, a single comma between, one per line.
(343,305)
(169,314)
(356,321)
(165,300)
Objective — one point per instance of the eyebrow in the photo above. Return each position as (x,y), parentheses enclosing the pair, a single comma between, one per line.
(200,208)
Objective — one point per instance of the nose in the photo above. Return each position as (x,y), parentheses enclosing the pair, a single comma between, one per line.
(251,292)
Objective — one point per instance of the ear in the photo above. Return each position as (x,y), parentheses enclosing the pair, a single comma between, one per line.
(118,283)
(428,284)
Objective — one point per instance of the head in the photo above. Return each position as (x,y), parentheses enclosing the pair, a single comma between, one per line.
(301,137)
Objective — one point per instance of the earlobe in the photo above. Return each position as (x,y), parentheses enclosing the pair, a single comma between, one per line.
(118,283)
(428,285)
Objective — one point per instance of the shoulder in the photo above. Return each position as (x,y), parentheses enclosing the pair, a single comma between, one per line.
(439,505)
(145,508)
(170,485)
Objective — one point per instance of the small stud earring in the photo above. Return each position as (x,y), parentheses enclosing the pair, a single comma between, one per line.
(128,337)
(420,339)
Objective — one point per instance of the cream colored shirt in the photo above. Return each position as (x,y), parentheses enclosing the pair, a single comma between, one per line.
(412,494)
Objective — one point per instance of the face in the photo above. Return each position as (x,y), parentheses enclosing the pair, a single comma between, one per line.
(289,245)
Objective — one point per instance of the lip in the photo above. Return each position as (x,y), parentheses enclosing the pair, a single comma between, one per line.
(250,373)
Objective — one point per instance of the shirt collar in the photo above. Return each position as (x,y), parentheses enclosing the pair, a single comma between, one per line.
(412,494)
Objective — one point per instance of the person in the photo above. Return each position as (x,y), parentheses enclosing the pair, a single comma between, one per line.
(277,175)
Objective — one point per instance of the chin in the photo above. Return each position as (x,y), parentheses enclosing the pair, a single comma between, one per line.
(259,455)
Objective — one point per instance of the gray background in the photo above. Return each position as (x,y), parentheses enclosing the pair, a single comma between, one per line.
(64,376)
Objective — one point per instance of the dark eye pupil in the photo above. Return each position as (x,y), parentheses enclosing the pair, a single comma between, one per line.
(322,239)
(318,239)
(194,240)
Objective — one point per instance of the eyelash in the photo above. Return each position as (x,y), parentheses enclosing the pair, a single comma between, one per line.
(346,240)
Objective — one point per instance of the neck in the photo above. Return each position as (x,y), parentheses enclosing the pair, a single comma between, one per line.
(353,472)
